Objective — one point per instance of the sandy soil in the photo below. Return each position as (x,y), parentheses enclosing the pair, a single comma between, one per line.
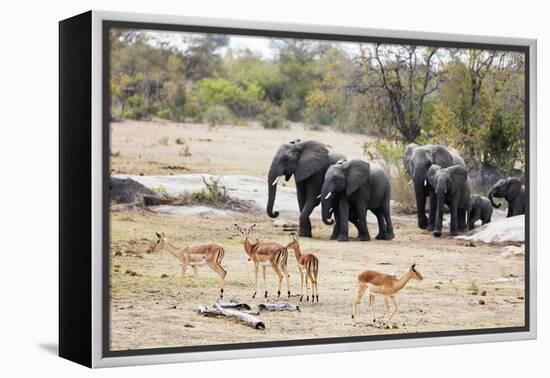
(152,307)
(151,148)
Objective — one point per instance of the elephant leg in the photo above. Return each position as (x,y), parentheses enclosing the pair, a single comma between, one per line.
(431,211)
(509,214)
(301,193)
(305,224)
(381,224)
(335,228)
(473,218)
(438,225)
(454,220)
(461,212)
(343,207)
(363,231)
(386,212)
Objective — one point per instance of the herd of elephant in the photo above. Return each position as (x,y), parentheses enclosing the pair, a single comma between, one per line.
(347,189)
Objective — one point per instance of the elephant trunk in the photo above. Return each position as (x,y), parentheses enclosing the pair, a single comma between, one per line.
(419,179)
(440,201)
(272,192)
(491,194)
(327,211)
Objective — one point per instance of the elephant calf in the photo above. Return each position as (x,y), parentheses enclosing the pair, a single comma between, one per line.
(480,208)
(511,189)
(350,188)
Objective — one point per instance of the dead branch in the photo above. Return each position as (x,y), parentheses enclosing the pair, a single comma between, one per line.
(278,307)
(244,317)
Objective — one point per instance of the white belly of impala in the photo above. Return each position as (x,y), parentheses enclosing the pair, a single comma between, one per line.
(197,263)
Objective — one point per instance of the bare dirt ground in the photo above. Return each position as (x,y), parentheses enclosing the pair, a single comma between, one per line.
(152,307)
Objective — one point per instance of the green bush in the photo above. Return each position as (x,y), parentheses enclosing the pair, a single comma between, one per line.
(136,108)
(218,115)
(244,99)
(271,121)
(214,193)
(164,114)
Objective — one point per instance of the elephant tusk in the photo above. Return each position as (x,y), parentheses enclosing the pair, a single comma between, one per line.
(319,196)
(328,195)
(425,182)
(275,181)
(410,182)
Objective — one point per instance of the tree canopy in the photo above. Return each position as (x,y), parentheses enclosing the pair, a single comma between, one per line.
(472,100)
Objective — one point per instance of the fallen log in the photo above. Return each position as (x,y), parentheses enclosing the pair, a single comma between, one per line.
(235,305)
(278,307)
(244,317)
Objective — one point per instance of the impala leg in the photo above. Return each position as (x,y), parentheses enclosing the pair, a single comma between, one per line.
(256,268)
(183,270)
(360,293)
(222,273)
(395,307)
(387,310)
(301,284)
(307,288)
(285,272)
(277,271)
(313,284)
(265,282)
(195,271)
(372,299)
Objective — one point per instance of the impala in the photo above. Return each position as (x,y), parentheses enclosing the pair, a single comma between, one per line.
(308,264)
(265,254)
(385,285)
(209,254)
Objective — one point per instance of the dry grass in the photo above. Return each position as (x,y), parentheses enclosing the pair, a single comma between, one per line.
(154,307)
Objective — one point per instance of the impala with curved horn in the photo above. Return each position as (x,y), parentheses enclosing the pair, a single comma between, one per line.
(265,254)
(308,264)
(209,254)
(385,285)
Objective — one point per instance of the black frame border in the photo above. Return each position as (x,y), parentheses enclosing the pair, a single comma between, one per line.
(107,25)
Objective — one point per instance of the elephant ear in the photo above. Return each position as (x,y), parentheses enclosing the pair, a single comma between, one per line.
(460,174)
(432,174)
(357,174)
(313,157)
(442,157)
(514,188)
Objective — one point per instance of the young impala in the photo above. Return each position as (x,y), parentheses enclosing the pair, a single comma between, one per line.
(209,254)
(265,254)
(385,285)
(308,264)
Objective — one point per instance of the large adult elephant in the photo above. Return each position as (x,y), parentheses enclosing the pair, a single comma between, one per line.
(452,187)
(350,188)
(417,160)
(307,161)
(511,189)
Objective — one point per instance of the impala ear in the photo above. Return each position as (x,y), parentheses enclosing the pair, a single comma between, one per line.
(158,235)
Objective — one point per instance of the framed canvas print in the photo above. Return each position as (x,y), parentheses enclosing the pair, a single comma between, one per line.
(234,189)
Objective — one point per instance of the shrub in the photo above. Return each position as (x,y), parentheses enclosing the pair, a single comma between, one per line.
(390,154)
(136,108)
(164,114)
(161,190)
(272,118)
(214,193)
(218,115)
(273,121)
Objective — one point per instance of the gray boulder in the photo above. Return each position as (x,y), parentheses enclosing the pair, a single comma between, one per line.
(128,191)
